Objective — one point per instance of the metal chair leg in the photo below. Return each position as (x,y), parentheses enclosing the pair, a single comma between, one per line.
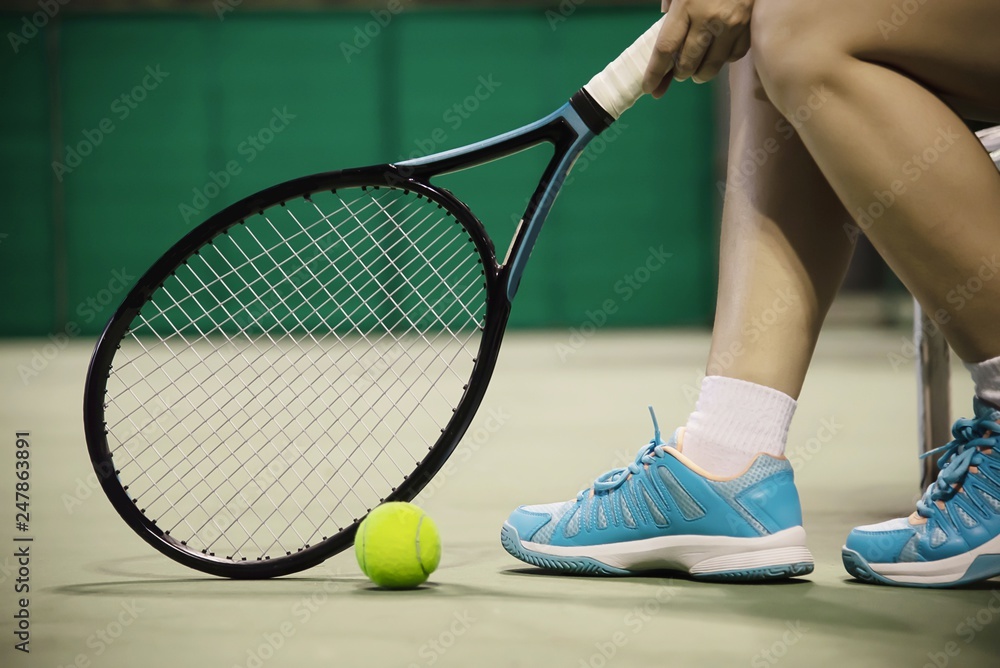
(933,390)
(933,384)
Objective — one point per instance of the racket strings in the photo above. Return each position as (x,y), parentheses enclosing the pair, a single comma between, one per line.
(179,479)
(430,342)
(429,309)
(371,463)
(219,278)
(178,303)
(430,265)
(281,425)
(236,298)
(265,490)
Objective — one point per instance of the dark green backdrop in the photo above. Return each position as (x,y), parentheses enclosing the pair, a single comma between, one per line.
(222,81)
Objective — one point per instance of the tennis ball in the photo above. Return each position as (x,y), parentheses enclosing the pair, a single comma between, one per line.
(397,546)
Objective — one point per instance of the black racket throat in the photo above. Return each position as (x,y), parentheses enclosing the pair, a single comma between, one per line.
(558,131)
(592,113)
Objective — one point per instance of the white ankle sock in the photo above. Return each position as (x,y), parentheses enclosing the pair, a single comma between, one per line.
(986,376)
(733,421)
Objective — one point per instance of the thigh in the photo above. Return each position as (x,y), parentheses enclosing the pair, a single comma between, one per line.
(950,46)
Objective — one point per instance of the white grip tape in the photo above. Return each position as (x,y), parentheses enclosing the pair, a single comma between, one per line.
(619,85)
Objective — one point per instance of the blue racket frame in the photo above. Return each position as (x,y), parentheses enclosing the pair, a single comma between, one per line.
(553,128)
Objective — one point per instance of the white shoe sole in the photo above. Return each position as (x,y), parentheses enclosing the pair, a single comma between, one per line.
(979,564)
(783,554)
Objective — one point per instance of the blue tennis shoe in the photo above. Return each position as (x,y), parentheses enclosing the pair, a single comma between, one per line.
(662,512)
(953,538)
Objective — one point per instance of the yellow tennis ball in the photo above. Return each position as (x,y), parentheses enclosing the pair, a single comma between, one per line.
(397,546)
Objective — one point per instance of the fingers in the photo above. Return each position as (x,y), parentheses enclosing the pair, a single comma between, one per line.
(662,88)
(691,55)
(689,47)
(740,47)
(717,55)
(668,44)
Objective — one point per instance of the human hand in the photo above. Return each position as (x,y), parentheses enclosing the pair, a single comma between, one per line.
(696,39)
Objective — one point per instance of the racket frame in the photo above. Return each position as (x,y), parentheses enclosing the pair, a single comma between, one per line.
(568,129)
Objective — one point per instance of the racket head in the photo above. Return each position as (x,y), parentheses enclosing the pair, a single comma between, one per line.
(198,322)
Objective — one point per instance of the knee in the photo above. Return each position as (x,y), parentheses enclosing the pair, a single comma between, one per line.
(796,51)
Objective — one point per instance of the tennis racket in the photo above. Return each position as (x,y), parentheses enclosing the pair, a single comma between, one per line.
(316,349)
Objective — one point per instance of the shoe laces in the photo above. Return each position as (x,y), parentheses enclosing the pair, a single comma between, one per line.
(615,478)
(971,437)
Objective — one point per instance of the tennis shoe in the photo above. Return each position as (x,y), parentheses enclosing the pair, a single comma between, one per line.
(662,512)
(953,537)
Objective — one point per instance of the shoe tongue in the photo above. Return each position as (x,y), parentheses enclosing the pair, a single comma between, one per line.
(984,410)
(677,440)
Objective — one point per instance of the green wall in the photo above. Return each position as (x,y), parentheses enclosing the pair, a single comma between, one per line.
(649,184)
(27,268)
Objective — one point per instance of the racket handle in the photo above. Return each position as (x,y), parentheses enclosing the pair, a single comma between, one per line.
(619,85)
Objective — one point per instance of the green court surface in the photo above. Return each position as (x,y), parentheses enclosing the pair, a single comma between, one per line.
(561,410)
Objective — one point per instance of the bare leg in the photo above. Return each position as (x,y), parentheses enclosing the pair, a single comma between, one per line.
(901,161)
(870,76)
(784,252)
(782,260)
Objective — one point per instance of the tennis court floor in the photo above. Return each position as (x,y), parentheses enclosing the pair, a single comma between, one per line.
(554,418)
